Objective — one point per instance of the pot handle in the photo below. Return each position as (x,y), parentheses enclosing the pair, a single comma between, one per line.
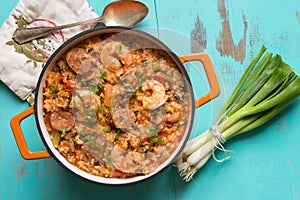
(210,73)
(15,124)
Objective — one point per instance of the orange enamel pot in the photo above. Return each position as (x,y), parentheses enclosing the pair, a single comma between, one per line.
(37,109)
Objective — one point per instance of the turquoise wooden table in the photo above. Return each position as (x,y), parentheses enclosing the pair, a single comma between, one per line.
(267,160)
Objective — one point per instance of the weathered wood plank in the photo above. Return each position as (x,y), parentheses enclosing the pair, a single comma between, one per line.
(225,44)
(231,32)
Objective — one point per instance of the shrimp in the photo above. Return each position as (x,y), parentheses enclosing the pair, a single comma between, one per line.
(115,55)
(173,112)
(158,96)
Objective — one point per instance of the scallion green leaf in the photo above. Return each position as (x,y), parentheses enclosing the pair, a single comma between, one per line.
(102,110)
(63,130)
(54,88)
(103,76)
(106,129)
(110,162)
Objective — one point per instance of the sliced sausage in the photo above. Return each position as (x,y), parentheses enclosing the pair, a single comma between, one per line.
(88,69)
(130,162)
(122,118)
(62,120)
(75,57)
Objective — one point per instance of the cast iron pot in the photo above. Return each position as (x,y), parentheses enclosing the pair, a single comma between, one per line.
(37,109)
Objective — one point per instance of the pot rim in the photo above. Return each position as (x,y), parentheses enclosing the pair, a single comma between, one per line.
(72,168)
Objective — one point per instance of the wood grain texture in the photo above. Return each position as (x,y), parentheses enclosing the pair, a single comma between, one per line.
(266,163)
(20,169)
(198,36)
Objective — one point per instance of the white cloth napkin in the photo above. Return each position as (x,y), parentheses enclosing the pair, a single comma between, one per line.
(20,65)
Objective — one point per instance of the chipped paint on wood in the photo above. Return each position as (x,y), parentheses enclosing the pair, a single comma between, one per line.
(225,44)
(198,37)
(20,168)
(37,170)
(298,16)
(281,122)
(254,35)
(228,80)
(254,38)
(49,168)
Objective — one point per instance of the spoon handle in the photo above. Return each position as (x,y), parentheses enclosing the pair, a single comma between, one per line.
(26,34)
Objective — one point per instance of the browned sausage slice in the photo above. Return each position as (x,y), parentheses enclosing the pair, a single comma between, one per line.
(62,120)
(88,69)
(122,118)
(75,57)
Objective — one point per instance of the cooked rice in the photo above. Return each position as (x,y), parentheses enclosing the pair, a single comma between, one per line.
(103,99)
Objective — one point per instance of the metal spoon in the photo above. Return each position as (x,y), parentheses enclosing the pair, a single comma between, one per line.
(118,13)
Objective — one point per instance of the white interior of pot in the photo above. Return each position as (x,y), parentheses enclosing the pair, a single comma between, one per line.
(46,136)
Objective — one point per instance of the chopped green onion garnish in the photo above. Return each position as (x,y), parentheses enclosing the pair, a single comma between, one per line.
(54,89)
(91,119)
(154,139)
(97,145)
(117,136)
(140,80)
(80,97)
(63,130)
(155,112)
(100,86)
(101,99)
(161,55)
(102,110)
(103,76)
(109,160)
(141,144)
(106,129)
(118,48)
(153,131)
(93,88)
(83,81)
(134,94)
(57,69)
(160,142)
(129,89)
(87,138)
(79,60)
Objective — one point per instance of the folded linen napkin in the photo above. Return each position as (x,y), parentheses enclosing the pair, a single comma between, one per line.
(20,65)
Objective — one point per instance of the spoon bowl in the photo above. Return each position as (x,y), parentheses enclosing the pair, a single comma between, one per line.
(124,13)
(118,13)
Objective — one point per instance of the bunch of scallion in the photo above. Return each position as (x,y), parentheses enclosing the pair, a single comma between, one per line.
(267,86)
